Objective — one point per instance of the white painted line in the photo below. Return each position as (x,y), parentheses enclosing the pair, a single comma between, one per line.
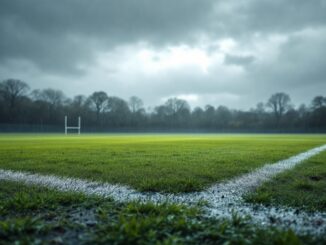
(223,199)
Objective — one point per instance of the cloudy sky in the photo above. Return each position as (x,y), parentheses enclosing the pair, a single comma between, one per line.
(234,53)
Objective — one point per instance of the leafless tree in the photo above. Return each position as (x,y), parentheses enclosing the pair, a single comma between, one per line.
(176,105)
(135,104)
(54,97)
(99,100)
(318,102)
(279,103)
(11,90)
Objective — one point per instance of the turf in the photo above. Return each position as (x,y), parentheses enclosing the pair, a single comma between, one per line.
(167,163)
(303,187)
(36,215)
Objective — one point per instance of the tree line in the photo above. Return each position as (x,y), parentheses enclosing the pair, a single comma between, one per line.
(19,105)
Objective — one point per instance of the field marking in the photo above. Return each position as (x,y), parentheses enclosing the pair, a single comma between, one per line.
(223,199)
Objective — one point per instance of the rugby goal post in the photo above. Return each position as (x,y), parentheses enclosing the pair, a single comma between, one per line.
(72,127)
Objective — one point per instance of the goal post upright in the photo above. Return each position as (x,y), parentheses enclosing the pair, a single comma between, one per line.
(65,124)
(72,127)
(79,124)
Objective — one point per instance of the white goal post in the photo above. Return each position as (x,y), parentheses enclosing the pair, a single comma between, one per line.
(72,127)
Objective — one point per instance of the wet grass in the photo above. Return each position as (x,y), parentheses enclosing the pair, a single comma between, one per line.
(303,187)
(149,162)
(36,215)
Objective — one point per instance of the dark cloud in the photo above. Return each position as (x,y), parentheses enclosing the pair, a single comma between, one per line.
(57,44)
(300,62)
(284,16)
(242,19)
(58,35)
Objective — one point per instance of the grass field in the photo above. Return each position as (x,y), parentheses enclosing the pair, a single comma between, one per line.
(35,215)
(152,162)
(303,187)
(168,163)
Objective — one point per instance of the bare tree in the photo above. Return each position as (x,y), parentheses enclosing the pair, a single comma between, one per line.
(50,103)
(176,105)
(118,111)
(135,104)
(80,106)
(79,101)
(223,116)
(99,99)
(260,108)
(116,105)
(279,103)
(53,97)
(318,102)
(11,90)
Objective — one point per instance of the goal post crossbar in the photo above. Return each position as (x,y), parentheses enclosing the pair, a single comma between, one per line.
(72,127)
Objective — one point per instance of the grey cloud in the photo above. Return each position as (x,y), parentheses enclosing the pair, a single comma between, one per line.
(301,62)
(242,19)
(57,35)
(285,16)
(299,69)
(62,38)
(240,60)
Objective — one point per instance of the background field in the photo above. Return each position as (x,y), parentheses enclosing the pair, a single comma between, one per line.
(168,163)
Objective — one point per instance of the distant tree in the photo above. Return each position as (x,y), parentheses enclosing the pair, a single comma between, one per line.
(135,104)
(2,110)
(260,108)
(318,102)
(223,116)
(260,116)
(303,113)
(52,96)
(198,116)
(118,111)
(209,116)
(116,105)
(49,104)
(11,90)
(291,118)
(99,100)
(175,105)
(160,115)
(137,117)
(318,114)
(80,106)
(279,103)
(79,101)
(178,112)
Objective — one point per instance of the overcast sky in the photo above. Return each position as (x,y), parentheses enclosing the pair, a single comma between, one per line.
(234,53)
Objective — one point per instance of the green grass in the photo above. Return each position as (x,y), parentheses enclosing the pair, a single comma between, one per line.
(149,162)
(36,215)
(303,187)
